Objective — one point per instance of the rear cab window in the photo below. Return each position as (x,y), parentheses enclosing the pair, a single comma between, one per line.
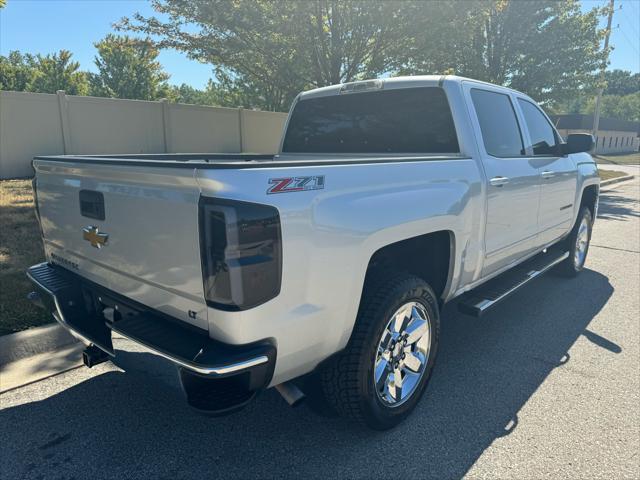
(501,133)
(396,121)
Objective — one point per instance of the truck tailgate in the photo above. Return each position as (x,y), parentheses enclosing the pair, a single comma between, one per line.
(131,229)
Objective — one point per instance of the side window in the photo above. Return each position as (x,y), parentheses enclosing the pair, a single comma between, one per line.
(498,123)
(543,137)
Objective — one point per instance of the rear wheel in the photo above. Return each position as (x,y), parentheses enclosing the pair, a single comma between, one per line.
(381,375)
(578,244)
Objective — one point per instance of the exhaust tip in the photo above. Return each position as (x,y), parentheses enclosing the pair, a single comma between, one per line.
(291,393)
(36,299)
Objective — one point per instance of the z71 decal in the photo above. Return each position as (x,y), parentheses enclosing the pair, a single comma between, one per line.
(295,184)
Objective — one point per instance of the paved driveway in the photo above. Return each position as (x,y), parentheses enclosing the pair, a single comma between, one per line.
(546,385)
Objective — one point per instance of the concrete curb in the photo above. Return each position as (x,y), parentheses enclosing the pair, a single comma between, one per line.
(611,181)
(38,367)
(34,341)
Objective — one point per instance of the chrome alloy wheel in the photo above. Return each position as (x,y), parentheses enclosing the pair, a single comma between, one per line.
(402,355)
(582,242)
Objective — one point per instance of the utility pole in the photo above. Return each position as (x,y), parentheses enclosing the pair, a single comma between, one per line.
(596,112)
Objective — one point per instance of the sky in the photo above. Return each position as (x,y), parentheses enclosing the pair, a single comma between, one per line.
(47,26)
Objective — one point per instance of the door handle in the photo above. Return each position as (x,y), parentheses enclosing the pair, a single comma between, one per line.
(547,174)
(498,181)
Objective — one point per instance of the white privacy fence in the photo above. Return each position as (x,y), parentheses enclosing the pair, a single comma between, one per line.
(46,124)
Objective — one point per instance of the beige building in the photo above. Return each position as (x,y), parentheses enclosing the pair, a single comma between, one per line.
(614,135)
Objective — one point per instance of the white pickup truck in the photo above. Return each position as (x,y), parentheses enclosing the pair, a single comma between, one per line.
(321,269)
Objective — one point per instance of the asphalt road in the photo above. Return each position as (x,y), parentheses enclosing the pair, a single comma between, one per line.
(545,386)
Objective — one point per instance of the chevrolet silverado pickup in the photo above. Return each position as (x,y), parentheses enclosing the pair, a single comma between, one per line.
(322,269)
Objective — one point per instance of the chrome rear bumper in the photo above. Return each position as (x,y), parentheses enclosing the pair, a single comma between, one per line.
(79,306)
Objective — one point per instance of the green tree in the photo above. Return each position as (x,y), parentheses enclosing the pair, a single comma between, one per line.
(268,51)
(624,107)
(545,48)
(188,94)
(17,71)
(128,68)
(621,98)
(222,93)
(57,72)
(621,82)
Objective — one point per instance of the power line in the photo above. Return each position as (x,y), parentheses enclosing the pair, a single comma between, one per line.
(629,21)
(631,44)
(596,110)
(634,4)
(632,26)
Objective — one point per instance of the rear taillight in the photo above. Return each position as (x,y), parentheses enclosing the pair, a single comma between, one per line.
(241,249)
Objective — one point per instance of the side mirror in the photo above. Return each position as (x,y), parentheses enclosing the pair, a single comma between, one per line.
(578,142)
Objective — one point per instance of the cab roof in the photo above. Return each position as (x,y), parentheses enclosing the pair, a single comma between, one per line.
(391,82)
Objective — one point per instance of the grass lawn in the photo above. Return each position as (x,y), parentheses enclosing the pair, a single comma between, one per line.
(607,174)
(20,247)
(624,159)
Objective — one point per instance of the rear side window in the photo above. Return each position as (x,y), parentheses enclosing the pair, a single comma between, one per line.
(406,120)
(498,123)
(543,137)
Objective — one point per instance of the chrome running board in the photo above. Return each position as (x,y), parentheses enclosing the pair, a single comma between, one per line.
(478,301)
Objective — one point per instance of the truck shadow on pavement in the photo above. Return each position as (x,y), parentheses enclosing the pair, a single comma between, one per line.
(616,207)
(136,424)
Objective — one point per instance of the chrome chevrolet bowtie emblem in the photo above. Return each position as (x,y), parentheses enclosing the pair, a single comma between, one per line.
(94,236)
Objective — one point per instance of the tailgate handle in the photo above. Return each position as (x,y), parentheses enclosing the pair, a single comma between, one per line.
(92,204)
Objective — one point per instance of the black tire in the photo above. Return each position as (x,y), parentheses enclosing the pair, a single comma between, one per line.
(572,265)
(348,379)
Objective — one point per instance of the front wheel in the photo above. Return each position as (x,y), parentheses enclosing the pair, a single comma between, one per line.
(381,375)
(578,244)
